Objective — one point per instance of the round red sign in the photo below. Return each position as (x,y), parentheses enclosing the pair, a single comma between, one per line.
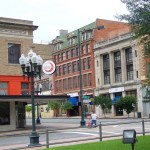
(49,67)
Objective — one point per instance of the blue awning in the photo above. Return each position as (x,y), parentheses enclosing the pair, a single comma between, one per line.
(115,100)
(73,100)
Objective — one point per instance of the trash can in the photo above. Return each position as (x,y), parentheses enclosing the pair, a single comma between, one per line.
(138,114)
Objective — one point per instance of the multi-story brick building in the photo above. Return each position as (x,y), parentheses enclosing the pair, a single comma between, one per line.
(66,77)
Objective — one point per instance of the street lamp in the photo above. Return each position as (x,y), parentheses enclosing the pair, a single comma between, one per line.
(31,66)
(82,122)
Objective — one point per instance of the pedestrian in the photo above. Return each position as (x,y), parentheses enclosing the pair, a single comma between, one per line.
(93,117)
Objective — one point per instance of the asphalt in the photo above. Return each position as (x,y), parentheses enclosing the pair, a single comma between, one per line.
(41,128)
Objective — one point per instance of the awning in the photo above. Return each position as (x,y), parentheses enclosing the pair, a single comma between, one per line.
(73,100)
(115,100)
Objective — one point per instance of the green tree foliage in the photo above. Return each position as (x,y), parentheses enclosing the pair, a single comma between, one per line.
(67,106)
(104,101)
(138,17)
(55,106)
(127,103)
(28,109)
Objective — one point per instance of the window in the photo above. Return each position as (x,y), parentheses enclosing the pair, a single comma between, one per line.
(130,72)
(83,50)
(68,56)
(117,56)
(64,84)
(69,68)
(118,75)
(45,85)
(128,52)
(55,59)
(89,62)
(64,69)
(84,63)
(64,56)
(88,48)
(106,61)
(74,82)
(73,53)
(60,85)
(58,46)
(3,88)
(4,113)
(74,65)
(25,88)
(14,51)
(106,77)
(89,79)
(85,80)
(71,41)
(69,83)
(59,57)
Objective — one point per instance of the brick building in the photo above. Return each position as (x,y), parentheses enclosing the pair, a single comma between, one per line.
(66,77)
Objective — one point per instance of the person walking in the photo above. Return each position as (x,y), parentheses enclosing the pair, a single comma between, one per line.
(93,117)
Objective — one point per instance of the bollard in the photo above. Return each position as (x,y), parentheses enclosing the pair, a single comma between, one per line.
(143,127)
(100,131)
(47,138)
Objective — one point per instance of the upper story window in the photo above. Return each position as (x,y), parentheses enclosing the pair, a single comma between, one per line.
(73,53)
(59,57)
(105,61)
(14,51)
(83,50)
(25,88)
(71,41)
(84,63)
(88,48)
(128,52)
(86,35)
(89,62)
(117,56)
(63,56)
(68,54)
(60,70)
(74,66)
(3,88)
(69,68)
(64,69)
(58,46)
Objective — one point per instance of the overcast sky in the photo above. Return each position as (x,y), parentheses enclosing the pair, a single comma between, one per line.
(54,15)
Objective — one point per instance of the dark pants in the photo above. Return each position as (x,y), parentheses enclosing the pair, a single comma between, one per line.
(93,122)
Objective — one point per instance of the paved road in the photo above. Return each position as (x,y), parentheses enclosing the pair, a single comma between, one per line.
(70,134)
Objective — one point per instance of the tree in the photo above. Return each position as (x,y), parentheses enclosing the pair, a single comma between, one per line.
(55,106)
(127,103)
(67,106)
(138,18)
(104,101)
(28,109)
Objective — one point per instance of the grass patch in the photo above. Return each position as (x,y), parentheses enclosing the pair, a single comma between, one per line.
(142,144)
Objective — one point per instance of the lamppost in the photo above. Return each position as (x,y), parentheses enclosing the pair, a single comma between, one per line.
(31,66)
(39,90)
(82,122)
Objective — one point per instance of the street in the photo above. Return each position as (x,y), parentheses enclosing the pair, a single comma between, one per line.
(74,131)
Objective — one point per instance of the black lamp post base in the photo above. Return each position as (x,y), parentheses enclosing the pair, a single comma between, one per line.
(34,140)
(82,123)
(38,121)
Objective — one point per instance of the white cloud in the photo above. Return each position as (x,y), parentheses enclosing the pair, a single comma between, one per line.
(53,15)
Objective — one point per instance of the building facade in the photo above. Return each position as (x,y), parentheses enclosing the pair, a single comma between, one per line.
(67,75)
(117,69)
(16,37)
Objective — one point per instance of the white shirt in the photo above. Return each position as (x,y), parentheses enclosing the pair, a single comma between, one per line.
(93,116)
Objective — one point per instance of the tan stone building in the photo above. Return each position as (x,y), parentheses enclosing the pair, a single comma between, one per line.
(117,69)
